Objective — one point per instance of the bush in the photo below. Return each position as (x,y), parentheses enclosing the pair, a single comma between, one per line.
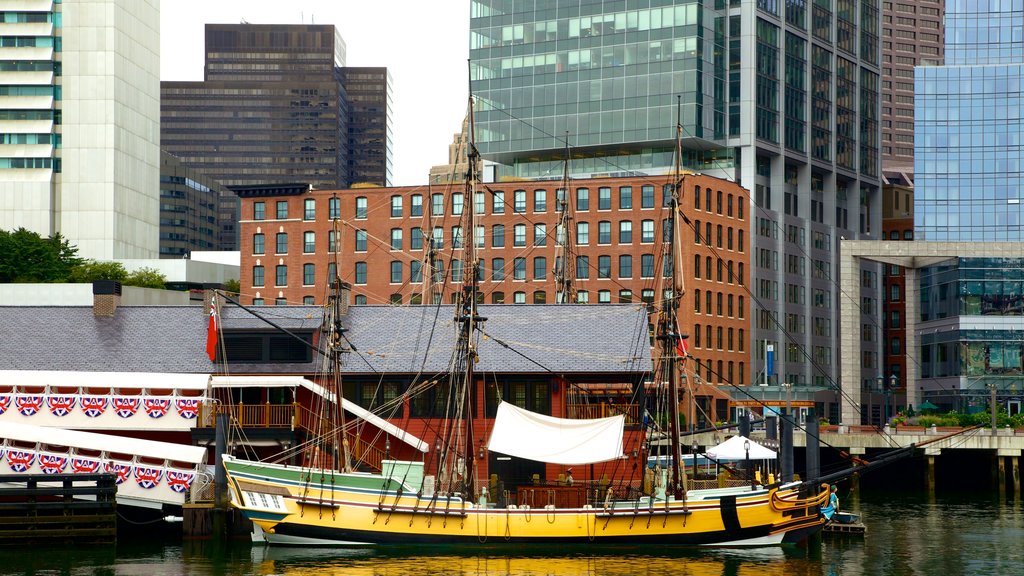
(91,270)
(146,278)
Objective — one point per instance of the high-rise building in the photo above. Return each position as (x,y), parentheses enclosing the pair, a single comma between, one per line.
(273,107)
(781,97)
(196,213)
(369,125)
(79,112)
(968,156)
(912,35)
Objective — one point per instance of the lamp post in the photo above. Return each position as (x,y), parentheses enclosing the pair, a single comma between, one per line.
(893,380)
(750,473)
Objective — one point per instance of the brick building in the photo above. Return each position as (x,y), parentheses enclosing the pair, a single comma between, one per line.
(404,245)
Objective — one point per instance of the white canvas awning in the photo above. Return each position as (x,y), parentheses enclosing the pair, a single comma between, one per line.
(732,449)
(533,436)
(300,382)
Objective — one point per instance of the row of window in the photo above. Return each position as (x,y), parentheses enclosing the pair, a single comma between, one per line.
(724,373)
(521,199)
(704,306)
(623,296)
(704,337)
(520,238)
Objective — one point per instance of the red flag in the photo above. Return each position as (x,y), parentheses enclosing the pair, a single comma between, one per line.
(681,346)
(211,334)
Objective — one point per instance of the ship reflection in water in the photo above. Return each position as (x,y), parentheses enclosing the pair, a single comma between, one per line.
(620,561)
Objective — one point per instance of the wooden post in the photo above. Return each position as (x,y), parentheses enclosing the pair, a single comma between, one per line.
(1015,462)
(1002,476)
(930,474)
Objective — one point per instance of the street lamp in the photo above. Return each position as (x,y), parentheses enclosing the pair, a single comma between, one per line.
(893,381)
(750,473)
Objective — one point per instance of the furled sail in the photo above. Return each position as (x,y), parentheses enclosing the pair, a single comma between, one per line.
(533,436)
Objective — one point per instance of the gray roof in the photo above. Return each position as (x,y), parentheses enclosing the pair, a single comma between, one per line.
(563,339)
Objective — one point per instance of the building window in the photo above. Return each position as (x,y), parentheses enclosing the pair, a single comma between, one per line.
(540,200)
(415,271)
(519,298)
(282,209)
(360,273)
(498,236)
(479,203)
(540,297)
(396,272)
(497,297)
(540,234)
(360,240)
(540,268)
(625,198)
(457,204)
(396,238)
(604,266)
(280,302)
(582,199)
(498,269)
(360,207)
(259,211)
(625,296)
(647,197)
(582,267)
(604,232)
(332,272)
(520,201)
(625,232)
(282,243)
(258,244)
(456,236)
(396,206)
(625,266)
(583,297)
(519,235)
(604,296)
(309,209)
(416,238)
(308,300)
(360,300)
(456,270)
(604,198)
(308,274)
(416,205)
(647,265)
(437,238)
(437,204)
(334,208)
(479,236)
(257,277)
(519,269)
(281,278)
(647,231)
(582,233)
(894,293)
(308,242)
(498,203)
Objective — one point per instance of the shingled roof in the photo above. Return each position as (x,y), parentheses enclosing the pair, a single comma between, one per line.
(561,339)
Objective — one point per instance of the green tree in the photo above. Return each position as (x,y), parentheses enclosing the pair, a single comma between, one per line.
(233,286)
(91,270)
(25,256)
(146,278)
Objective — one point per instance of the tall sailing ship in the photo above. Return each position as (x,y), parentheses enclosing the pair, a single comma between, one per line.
(444,499)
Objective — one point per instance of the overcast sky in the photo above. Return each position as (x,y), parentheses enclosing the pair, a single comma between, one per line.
(423,43)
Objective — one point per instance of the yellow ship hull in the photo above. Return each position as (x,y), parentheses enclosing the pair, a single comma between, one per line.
(292,506)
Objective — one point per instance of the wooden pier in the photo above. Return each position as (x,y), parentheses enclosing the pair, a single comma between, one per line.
(78,508)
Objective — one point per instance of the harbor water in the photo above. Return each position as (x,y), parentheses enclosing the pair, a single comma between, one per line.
(907,534)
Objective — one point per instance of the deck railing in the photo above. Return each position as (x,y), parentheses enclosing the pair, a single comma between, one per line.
(294,416)
(604,410)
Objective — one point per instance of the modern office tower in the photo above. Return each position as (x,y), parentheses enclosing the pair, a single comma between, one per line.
(781,97)
(968,156)
(79,114)
(271,107)
(912,35)
(196,213)
(369,125)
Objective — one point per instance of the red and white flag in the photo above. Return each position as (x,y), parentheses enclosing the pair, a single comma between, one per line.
(681,346)
(211,333)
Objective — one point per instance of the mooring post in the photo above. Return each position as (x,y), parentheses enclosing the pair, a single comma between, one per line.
(786,448)
(221,523)
(1015,476)
(1002,476)
(929,474)
(813,455)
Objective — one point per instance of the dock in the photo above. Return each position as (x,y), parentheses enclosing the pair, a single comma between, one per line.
(48,508)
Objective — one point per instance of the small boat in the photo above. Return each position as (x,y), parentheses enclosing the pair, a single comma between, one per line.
(326,502)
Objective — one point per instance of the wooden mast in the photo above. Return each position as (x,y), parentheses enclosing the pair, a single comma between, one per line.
(672,340)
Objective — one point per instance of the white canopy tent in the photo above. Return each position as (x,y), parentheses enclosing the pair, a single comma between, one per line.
(732,449)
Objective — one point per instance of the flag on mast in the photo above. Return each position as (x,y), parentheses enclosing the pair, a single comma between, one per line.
(211,332)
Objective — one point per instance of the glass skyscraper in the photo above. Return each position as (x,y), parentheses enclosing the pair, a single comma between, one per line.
(968,128)
(781,96)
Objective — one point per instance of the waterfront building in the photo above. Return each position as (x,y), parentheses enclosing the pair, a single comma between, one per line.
(912,35)
(404,246)
(897,224)
(274,107)
(781,97)
(79,109)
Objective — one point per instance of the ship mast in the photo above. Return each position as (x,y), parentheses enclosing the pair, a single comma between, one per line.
(335,347)
(673,348)
(466,316)
(565,253)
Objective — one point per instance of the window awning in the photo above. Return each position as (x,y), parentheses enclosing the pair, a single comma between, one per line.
(519,432)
